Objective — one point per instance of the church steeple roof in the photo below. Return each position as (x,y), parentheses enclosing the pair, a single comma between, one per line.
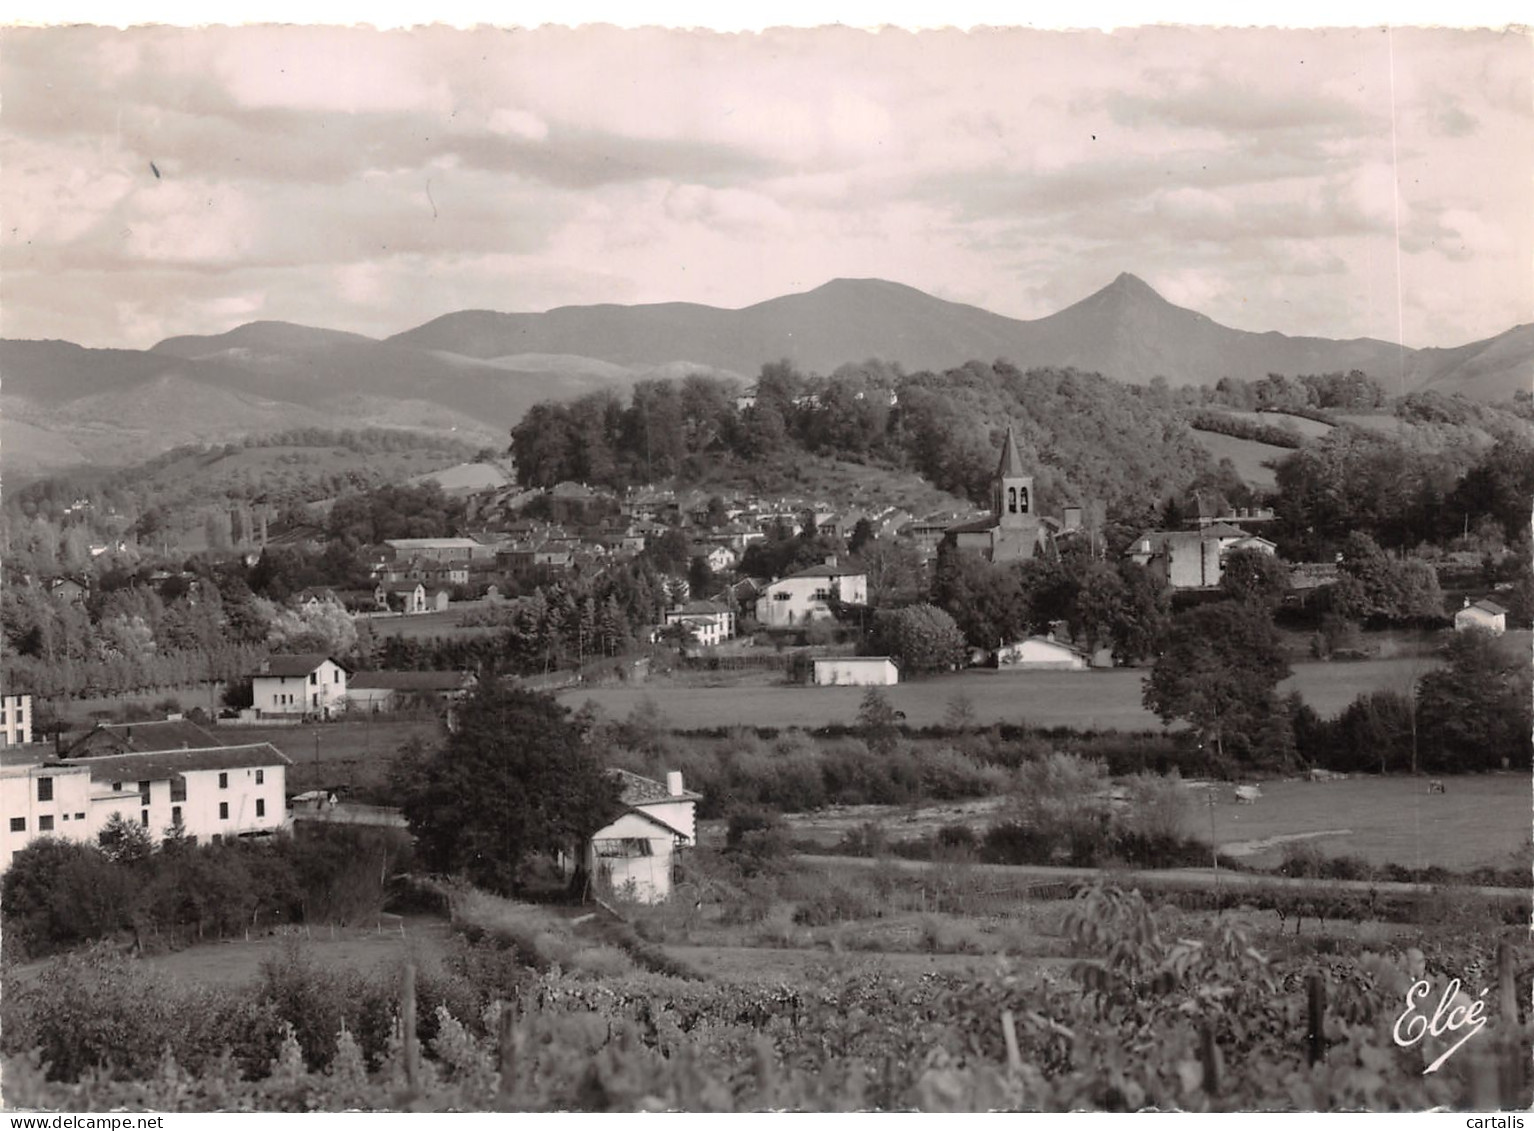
(1011,463)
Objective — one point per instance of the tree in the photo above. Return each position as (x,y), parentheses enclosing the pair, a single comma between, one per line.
(1474,713)
(123,841)
(1254,576)
(514,780)
(1218,672)
(879,721)
(921,638)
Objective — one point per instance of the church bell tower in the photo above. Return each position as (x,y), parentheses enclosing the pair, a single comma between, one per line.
(1013,499)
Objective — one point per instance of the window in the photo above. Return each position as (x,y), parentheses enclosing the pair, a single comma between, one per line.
(45,789)
(79,816)
(117,787)
(175,815)
(223,781)
(260,806)
(337,677)
(260,777)
(18,824)
(143,792)
(314,677)
(223,810)
(143,817)
(1022,500)
(1012,500)
(45,823)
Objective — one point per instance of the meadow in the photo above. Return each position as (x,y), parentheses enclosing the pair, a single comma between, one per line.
(1090,700)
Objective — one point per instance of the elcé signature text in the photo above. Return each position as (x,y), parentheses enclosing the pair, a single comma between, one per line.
(1448,1017)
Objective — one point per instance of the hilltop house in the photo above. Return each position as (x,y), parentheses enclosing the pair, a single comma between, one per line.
(213,793)
(1483,614)
(307,684)
(634,857)
(809,594)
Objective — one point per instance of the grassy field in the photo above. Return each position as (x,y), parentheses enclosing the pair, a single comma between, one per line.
(327,755)
(423,626)
(1477,820)
(1248,456)
(1095,700)
(1301,424)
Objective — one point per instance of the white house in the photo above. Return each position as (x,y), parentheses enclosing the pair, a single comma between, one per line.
(635,856)
(15,720)
(223,791)
(710,623)
(857,671)
(309,684)
(1484,614)
(1193,559)
(809,594)
(1041,653)
(408,596)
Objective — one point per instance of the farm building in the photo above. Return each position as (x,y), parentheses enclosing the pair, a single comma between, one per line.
(224,791)
(1041,653)
(856,671)
(174,733)
(634,857)
(386,691)
(1483,614)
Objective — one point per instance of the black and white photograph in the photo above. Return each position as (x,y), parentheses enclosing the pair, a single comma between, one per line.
(557,568)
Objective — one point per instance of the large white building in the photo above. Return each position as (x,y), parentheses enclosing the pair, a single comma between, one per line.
(15,720)
(217,792)
(809,594)
(311,684)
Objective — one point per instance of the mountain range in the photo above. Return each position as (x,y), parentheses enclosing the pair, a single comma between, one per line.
(474,373)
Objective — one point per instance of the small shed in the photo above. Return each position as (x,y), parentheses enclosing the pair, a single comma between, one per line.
(1041,653)
(1484,614)
(856,671)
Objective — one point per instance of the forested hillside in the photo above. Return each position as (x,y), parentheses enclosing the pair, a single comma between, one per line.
(1087,437)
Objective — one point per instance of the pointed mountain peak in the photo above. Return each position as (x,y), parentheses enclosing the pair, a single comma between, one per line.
(1132,285)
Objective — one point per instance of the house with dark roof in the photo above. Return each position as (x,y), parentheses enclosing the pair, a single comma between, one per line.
(810,594)
(1484,614)
(106,739)
(297,685)
(208,794)
(634,857)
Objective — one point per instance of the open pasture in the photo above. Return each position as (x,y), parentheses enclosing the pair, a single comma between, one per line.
(1478,819)
(1092,700)
(1250,457)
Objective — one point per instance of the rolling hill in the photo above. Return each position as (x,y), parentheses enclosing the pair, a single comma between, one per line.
(472,374)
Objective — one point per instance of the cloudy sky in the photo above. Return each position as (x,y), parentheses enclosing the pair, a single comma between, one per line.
(1342,183)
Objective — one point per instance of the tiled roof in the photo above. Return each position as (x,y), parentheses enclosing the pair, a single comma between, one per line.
(298,664)
(975,526)
(137,738)
(1487,605)
(636,789)
(827,571)
(161,765)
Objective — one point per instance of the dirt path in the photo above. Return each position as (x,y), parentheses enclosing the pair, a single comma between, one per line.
(1172,877)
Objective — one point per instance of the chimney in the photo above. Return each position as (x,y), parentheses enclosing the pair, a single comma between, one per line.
(674,783)
(831,560)
(1467,602)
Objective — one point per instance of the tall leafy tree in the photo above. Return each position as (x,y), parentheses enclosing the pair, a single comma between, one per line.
(514,779)
(922,638)
(1474,713)
(1218,672)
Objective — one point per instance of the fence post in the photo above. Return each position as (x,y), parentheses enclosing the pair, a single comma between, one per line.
(1009,1034)
(407,1024)
(508,1052)
(1209,1055)
(1317,1031)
